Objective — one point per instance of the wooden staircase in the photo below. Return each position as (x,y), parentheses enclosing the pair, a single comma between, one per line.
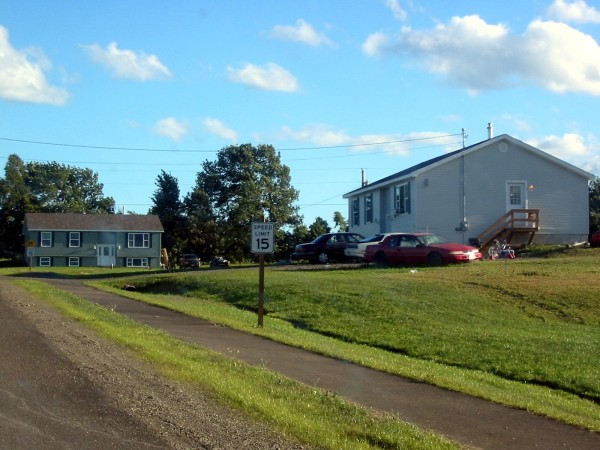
(516,222)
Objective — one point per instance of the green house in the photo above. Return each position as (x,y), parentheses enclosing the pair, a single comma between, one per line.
(92,240)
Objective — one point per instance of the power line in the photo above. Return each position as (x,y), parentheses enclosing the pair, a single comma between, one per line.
(142,149)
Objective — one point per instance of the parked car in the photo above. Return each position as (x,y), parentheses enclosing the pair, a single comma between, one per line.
(356,250)
(325,248)
(595,239)
(419,248)
(189,260)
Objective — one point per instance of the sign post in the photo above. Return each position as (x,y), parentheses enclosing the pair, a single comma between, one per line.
(30,252)
(262,242)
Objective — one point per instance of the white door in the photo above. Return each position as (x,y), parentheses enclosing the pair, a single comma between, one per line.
(516,195)
(106,255)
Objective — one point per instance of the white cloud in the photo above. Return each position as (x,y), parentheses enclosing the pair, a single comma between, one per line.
(128,64)
(577,11)
(324,136)
(375,43)
(581,151)
(569,144)
(398,12)
(270,77)
(22,76)
(560,58)
(218,128)
(301,32)
(519,124)
(171,128)
(478,56)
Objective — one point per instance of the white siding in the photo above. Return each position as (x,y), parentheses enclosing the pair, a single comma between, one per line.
(438,205)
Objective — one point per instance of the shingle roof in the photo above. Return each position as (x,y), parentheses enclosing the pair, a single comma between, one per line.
(92,222)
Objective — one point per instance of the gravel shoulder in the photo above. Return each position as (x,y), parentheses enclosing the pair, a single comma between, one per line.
(65,387)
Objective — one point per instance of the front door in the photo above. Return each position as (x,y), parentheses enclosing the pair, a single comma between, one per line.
(106,255)
(516,195)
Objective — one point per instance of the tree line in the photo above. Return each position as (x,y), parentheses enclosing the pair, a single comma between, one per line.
(245,183)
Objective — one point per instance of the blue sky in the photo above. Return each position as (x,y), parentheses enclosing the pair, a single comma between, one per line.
(128,88)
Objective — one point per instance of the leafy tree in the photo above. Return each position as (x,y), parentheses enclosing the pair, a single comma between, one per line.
(247,183)
(169,208)
(15,200)
(340,222)
(318,227)
(595,205)
(44,187)
(201,229)
(59,188)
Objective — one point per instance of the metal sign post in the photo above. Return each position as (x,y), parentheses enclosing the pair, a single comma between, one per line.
(30,252)
(262,242)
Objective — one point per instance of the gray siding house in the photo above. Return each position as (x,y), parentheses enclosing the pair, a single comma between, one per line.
(86,240)
(501,188)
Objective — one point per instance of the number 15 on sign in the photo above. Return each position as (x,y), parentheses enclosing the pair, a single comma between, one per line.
(263,237)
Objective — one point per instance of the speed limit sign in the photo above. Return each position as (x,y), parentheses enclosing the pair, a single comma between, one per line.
(263,236)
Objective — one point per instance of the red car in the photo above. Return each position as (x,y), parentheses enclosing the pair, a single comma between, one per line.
(419,248)
(595,239)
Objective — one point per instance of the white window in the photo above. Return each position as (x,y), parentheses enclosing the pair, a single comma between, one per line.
(73,261)
(74,239)
(369,208)
(45,261)
(137,262)
(516,198)
(138,240)
(402,199)
(46,239)
(355,213)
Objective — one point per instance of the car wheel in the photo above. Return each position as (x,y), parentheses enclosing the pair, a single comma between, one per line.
(434,259)
(381,259)
(323,257)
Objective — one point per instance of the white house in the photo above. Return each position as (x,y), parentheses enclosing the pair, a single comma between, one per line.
(500,188)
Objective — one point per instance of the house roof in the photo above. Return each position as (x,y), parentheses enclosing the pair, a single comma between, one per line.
(91,222)
(434,162)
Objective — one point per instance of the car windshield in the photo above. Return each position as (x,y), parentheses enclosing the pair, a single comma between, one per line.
(432,239)
(375,238)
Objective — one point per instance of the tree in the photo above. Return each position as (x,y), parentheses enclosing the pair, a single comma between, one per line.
(169,208)
(15,200)
(244,184)
(595,205)
(340,222)
(201,229)
(60,188)
(44,187)
(318,227)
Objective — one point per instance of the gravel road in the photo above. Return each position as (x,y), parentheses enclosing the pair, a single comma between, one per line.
(63,387)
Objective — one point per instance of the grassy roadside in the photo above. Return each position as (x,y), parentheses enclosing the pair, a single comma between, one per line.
(523,335)
(311,415)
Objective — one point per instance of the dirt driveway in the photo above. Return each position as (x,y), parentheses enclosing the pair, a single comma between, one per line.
(62,387)
(470,421)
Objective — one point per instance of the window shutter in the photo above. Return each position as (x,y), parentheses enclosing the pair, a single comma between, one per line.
(408,197)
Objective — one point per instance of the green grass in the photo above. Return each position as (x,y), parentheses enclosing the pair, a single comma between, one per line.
(308,414)
(524,333)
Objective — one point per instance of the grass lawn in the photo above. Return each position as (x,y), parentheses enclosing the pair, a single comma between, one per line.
(525,333)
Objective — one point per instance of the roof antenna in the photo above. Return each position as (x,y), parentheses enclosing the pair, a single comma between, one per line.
(464,136)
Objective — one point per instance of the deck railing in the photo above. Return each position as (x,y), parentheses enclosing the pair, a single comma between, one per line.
(514,221)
